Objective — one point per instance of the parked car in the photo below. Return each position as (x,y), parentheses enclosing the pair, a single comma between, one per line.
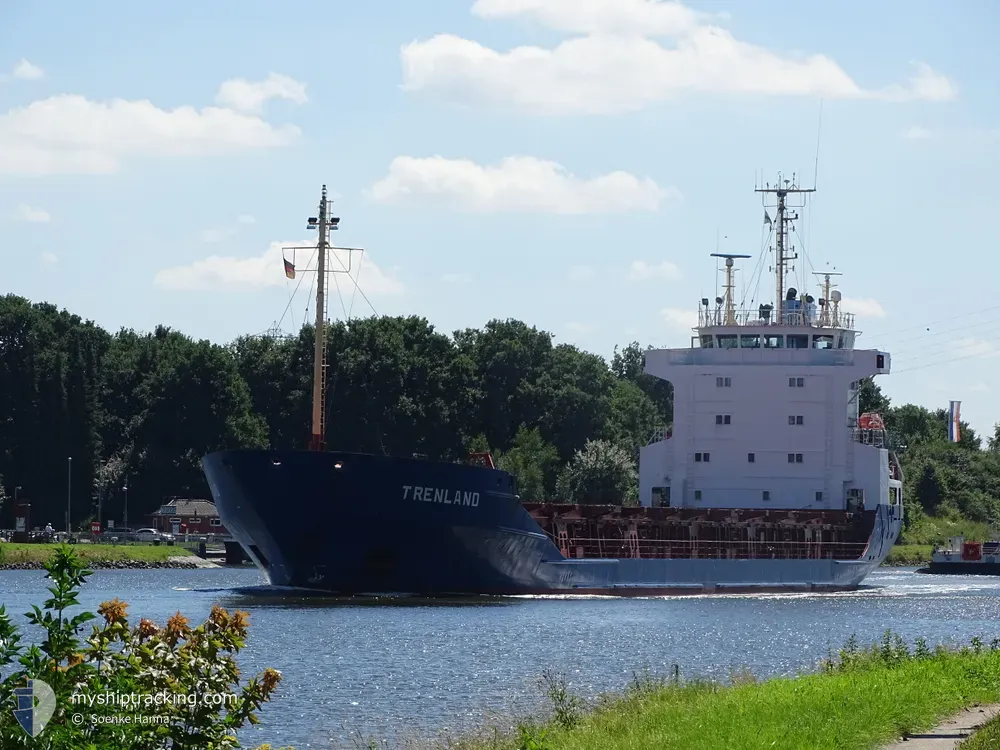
(152,535)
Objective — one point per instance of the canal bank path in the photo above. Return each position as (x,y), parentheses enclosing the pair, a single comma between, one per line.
(951,732)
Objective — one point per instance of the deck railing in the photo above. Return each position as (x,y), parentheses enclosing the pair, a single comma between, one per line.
(589,548)
(708,317)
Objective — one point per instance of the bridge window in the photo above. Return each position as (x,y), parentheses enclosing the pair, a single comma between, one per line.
(700,457)
(727,341)
(819,496)
(723,382)
(707,341)
(796,383)
(697,494)
(795,419)
(722,418)
(774,342)
(750,458)
(822,342)
(794,458)
(750,341)
(796,341)
(765,495)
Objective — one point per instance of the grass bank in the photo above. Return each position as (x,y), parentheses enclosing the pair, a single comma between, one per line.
(16,555)
(987,738)
(909,555)
(860,699)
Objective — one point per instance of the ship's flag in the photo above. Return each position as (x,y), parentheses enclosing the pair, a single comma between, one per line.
(954,415)
(767,219)
(289,268)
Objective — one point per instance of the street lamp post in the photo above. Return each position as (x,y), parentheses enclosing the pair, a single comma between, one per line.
(69,494)
(125,488)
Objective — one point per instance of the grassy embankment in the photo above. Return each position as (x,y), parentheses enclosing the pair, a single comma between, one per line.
(92,554)
(916,543)
(987,738)
(861,698)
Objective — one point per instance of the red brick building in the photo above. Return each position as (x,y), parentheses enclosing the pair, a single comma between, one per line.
(188,516)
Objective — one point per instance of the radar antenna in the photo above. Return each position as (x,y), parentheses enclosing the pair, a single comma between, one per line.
(782,189)
(730,319)
(824,303)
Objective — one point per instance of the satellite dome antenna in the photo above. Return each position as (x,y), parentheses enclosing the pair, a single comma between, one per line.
(826,299)
(730,307)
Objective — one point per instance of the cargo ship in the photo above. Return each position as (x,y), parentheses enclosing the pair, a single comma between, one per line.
(965,558)
(768,479)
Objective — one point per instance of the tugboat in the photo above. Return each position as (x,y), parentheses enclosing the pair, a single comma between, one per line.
(767,480)
(965,558)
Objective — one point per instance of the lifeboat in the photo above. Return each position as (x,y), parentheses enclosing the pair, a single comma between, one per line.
(870,421)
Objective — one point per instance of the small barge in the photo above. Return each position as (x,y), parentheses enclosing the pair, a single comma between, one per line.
(966,558)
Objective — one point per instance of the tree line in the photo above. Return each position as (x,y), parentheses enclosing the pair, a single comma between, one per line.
(141,409)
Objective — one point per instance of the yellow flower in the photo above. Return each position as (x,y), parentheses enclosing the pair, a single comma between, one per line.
(113,611)
(240,622)
(177,626)
(219,616)
(270,680)
(147,628)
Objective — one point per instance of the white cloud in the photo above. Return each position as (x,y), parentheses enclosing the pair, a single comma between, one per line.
(50,259)
(455,278)
(32,215)
(626,17)
(69,134)
(862,307)
(27,72)
(249,96)
(681,318)
(212,236)
(640,270)
(916,133)
(974,347)
(616,66)
(581,329)
(579,274)
(229,273)
(518,183)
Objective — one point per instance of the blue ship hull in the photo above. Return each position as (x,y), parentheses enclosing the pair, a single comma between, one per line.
(351,523)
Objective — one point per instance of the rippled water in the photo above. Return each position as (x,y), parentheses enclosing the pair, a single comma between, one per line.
(380,668)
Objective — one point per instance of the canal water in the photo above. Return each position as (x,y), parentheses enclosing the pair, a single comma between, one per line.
(391,669)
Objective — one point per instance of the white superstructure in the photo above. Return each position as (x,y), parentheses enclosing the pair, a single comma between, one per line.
(766,402)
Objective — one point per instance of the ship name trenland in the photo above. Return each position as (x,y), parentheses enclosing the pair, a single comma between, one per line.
(435,495)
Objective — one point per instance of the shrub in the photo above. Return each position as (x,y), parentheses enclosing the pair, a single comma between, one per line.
(180,684)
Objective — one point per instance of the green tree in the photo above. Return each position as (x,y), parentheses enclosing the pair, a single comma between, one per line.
(533,462)
(994,441)
(600,474)
(628,364)
(871,398)
(633,416)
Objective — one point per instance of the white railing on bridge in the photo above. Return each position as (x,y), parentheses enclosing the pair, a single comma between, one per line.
(708,318)
(877,438)
(662,432)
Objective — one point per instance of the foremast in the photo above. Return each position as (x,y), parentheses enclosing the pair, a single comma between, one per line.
(323,224)
(782,254)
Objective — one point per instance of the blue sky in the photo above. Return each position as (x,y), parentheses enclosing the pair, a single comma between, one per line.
(568,163)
